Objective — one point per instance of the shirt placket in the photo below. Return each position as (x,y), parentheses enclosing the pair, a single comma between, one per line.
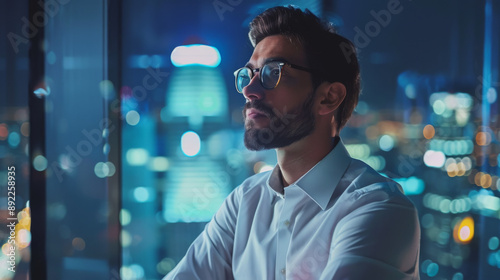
(283,237)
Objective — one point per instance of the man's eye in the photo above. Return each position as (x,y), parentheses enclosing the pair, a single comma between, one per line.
(275,72)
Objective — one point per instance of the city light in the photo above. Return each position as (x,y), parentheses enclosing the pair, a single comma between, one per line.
(14,139)
(125,238)
(376,162)
(101,170)
(159,164)
(434,158)
(463,231)
(4,132)
(198,93)
(429,131)
(40,163)
(483,138)
(41,92)
(125,217)
(493,243)
(137,156)
(143,194)
(358,151)
(195,55)
(190,143)
(132,117)
(412,185)
(452,147)
(386,143)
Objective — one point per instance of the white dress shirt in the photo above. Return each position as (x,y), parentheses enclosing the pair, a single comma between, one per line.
(341,220)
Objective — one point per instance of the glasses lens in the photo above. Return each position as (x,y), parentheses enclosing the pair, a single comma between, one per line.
(270,75)
(242,78)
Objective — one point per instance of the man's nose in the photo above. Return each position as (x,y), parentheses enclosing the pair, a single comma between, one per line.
(254,89)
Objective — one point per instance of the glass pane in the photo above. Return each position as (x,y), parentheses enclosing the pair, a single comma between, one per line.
(77,163)
(15,216)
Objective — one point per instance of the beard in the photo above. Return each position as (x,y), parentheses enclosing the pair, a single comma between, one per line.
(284,128)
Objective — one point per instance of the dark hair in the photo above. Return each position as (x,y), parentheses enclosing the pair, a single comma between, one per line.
(331,56)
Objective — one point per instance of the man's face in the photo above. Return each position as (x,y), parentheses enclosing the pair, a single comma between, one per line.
(278,117)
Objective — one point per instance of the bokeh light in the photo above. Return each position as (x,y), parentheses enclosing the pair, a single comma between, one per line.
(40,163)
(107,89)
(195,54)
(25,129)
(491,95)
(463,231)
(78,243)
(493,243)
(137,156)
(439,107)
(132,117)
(165,266)
(483,138)
(41,92)
(429,131)
(432,269)
(125,238)
(190,143)
(101,170)
(4,132)
(143,194)
(485,181)
(386,143)
(159,164)
(362,108)
(434,158)
(458,276)
(125,217)
(14,139)
(358,151)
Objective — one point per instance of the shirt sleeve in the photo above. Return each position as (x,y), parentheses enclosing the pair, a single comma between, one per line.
(209,256)
(379,240)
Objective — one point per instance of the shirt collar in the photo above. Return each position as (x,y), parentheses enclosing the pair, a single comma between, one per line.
(320,181)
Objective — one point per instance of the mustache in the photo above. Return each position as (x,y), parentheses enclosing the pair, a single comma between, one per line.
(258,105)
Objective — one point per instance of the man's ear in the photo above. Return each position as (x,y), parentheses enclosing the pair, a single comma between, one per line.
(331,96)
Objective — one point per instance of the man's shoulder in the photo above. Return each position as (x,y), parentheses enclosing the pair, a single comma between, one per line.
(363,182)
(367,194)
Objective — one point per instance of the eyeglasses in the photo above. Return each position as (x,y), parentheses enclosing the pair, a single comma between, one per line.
(270,74)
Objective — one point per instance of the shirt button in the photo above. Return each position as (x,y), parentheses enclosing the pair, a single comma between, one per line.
(286,223)
(283,271)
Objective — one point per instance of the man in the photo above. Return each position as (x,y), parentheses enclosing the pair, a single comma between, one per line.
(319,214)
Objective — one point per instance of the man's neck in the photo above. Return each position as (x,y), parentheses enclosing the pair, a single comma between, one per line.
(295,160)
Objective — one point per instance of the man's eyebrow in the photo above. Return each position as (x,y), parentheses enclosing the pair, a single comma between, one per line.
(269,59)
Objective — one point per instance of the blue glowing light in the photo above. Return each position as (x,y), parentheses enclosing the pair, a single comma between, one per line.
(411,185)
(40,163)
(386,143)
(41,92)
(190,143)
(458,276)
(195,55)
(14,139)
(493,243)
(433,269)
(194,197)
(142,194)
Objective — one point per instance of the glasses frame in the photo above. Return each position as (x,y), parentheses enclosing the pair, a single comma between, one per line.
(281,64)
